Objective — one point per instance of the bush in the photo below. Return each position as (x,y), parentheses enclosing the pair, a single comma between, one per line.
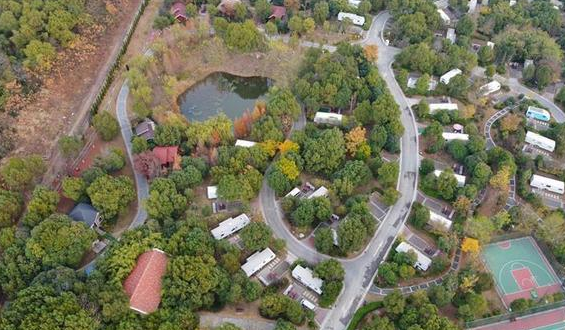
(106,126)
(362,312)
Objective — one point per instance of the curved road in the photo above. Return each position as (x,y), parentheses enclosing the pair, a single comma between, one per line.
(360,271)
(127,133)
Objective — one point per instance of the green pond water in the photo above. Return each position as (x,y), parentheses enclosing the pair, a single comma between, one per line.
(221,92)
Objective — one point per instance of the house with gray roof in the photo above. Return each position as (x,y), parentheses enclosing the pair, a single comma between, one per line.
(86,213)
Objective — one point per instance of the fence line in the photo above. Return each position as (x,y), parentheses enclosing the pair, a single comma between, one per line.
(514,315)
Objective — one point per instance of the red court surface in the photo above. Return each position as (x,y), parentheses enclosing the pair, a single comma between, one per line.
(524,278)
(530,322)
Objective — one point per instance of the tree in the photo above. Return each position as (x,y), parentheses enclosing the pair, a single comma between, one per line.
(262,10)
(481,175)
(323,240)
(188,177)
(481,228)
(281,102)
(544,76)
(330,270)
(60,241)
(111,195)
(39,55)
(256,236)
(167,135)
(284,325)
(325,153)
(164,202)
(560,96)
(74,188)
(422,84)
(388,174)
(457,149)
(11,204)
(420,215)
(440,295)
(462,205)
(381,323)
(501,180)
(394,304)
(387,272)
(147,164)
(19,172)
(390,196)
(552,229)
(106,125)
(321,12)
(191,282)
(351,234)
(43,203)
(354,139)
(520,305)
(70,145)
(277,305)
(426,166)
(447,185)
(465,26)
(510,123)
(271,28)
(243,37)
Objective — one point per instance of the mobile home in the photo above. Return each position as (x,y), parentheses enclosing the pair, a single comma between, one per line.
(422,263)
(544,183)
(356,19)
(540,141)
(446,78)
(538,113)
(461,179)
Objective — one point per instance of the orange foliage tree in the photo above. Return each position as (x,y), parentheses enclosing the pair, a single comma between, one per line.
(470,245)
(354,139)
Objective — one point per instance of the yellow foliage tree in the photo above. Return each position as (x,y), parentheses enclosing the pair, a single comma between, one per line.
(355,138)
(470,245)
(462,205)
(468,111)
(501,179)
(287,146)
(371,52)
(288,168)
(511,123)
(270,146)
(468,283)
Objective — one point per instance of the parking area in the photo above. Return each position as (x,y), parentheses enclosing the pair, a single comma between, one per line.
(536,124)
(419,243)
(273,272)
(378,208)
(534,152)
(435,205)
(550,199)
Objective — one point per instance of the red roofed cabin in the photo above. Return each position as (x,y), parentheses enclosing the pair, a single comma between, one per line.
(167,155)
(143,285)
(178,10)
(278,12)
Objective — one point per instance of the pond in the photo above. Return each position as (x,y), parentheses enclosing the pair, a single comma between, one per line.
(221,92)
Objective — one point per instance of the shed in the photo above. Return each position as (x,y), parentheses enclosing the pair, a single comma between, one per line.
(306,277)
(86,213)
(540,141)
(293,193)
(328,118)
(446,78)
(422,263)
(245,143)
(257,261)
(230,226)
(355,19)
(143,285)
(545,183)
(212,192)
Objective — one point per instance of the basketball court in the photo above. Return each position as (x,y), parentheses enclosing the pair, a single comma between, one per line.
(520,270)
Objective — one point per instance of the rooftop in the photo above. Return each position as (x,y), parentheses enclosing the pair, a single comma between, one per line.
(143,285)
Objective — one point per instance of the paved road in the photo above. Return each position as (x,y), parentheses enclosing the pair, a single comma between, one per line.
(360,270)
(515,85)
(140,180)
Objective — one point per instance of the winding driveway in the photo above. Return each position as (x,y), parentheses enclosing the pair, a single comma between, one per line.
(360,271)
(127,133)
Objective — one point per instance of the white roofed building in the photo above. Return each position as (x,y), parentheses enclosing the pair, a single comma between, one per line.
(451,36)
(257,261)
(320,192)
(306,277)
(230,226)
(444,17)
(461,179)
(491,87)
(544,183)
(540,141)
(355,19)
(446,78)
(438,221)
(212,192)
(354,3)
(245,143)
(293,193)
(435,107)
(538,113)
(422,263)
(449,136)
(328,118)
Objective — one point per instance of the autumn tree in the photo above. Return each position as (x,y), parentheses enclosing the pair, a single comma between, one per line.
(501,180)
(511,123)
(147,164)
(470,245)
(354,139)
(371,52)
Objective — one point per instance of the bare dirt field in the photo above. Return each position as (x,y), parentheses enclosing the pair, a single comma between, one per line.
(72,82)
